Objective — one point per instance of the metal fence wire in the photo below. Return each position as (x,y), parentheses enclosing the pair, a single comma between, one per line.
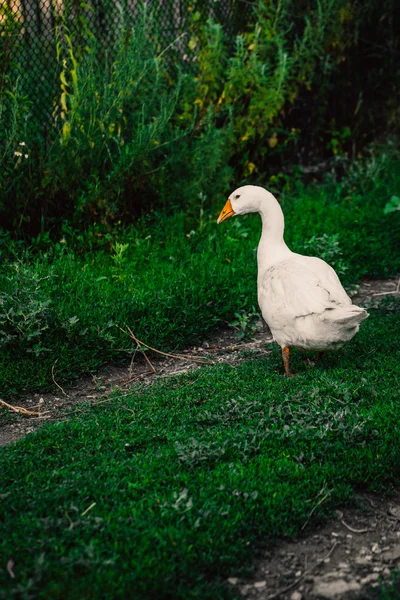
(32,32)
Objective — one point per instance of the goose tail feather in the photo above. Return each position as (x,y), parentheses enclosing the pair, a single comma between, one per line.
(351,316)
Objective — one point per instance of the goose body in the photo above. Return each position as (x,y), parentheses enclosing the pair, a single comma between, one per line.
(300,297)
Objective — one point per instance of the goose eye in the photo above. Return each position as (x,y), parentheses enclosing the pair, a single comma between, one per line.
(237,196)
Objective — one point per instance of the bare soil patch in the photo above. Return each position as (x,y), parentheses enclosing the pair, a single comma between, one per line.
(348,558)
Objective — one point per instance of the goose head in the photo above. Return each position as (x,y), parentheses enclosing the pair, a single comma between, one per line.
(249,199)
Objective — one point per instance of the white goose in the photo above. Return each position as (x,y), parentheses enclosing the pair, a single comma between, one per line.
(301,297)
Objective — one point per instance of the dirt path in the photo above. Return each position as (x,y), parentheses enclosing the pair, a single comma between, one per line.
(221,347)
(345,559)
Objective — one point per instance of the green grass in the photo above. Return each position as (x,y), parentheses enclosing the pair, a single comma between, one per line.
(174,277)
(391,589)
(191,476)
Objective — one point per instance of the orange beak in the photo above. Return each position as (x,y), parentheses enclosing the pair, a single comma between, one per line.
(226,212)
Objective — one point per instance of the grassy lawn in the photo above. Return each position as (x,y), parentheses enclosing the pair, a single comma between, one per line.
(165,492)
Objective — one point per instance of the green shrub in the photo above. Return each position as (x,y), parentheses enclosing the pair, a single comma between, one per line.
(26,312)
(281,80)
(119,147)
(127,130)
(285,49)
(328,248)
(111,121)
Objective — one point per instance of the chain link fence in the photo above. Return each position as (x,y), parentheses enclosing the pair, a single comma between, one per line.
(35,35)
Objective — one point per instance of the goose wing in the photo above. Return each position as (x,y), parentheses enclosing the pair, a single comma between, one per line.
(296,288)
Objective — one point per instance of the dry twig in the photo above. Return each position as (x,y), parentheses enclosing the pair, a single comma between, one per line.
(378,510)
(187,358)
(316,506)
(124,382)
(352,528)
(54,381)
(396,291)
(144,353)
(23,411)
(10,566)
(89,508)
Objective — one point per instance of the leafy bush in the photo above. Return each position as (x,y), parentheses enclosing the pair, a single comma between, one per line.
(275,72)
(119,148)
(128,130)
(107,137)
(328,248)
(26,311)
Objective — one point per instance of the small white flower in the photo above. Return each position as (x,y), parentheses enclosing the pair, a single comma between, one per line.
(17,153)
(22,144)
(26,155)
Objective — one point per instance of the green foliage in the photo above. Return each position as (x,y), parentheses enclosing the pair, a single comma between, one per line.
(171,489)
(134,125)
(198,172)
(120,145)
(109,133)
(169,283)
(14,152)
(327,247)
(10,30)
(390,590)
(26,311)
(245,323)
(392,205)
(286,49)
(281,79)
(349,211)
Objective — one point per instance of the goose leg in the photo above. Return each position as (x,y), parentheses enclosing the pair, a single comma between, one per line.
(286,361)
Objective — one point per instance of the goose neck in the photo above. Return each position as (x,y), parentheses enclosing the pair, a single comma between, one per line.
(273,225)
(272,247)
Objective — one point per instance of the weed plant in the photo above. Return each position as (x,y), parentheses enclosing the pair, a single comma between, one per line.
(173,278)
(165,492)
(131,125)
(117,144)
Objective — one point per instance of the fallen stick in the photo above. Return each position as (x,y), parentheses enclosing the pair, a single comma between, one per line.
(313,509)
(396,291)
(187,358)
(23,411)
(54,381)
(123,382)
(144,354)
(352,528)
(386,293)
(378,510)
(89,508)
